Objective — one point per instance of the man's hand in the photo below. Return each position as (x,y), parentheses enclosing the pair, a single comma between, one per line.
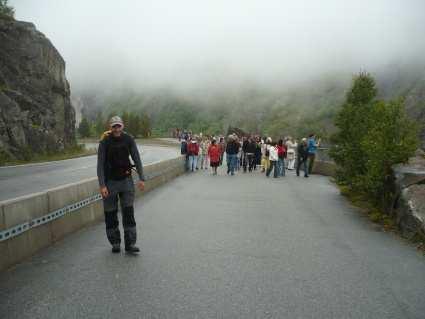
(141,185)
(104,191)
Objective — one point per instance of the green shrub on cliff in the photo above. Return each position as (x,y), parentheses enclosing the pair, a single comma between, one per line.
(6,10)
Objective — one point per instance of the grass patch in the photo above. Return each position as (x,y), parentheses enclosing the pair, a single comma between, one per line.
(68,153)
(379,217)
(143,141)
(375,214)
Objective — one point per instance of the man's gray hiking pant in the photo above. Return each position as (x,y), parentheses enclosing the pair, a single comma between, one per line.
(124,191)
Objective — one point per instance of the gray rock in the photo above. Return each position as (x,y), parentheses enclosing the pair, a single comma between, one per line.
(36,114)
(410,205)
(411,211)
(410,173)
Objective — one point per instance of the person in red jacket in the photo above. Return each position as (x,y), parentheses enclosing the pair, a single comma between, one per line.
(214,153)
(281,153)
(193,151)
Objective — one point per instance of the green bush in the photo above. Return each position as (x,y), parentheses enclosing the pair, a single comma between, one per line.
(373,136)
(4,157)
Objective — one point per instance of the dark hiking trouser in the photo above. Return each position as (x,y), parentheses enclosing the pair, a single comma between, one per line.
(251,161)
(302,161)
(186,162)
(311,158)
(124,191)
(273,166)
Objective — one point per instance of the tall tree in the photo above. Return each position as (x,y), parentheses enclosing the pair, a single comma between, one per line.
(133,126)
(126,119)
(352,122)
(145,125)
(84,128)
(100,124)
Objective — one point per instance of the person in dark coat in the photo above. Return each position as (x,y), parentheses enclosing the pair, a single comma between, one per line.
(232,149)
(250,154)
(302,157)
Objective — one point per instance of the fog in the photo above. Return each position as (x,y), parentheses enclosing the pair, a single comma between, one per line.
(218,43)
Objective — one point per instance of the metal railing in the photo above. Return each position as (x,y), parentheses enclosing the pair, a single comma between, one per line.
(68,209)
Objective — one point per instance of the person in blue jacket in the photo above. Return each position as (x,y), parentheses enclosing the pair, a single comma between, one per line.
(312,146)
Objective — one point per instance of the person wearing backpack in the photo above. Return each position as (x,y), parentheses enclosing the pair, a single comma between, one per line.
(116,183)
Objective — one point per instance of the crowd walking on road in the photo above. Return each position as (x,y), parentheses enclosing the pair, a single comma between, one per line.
(250,153)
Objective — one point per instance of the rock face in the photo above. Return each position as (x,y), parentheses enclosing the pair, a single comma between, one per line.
(415,106)
(410,206)
(36,114)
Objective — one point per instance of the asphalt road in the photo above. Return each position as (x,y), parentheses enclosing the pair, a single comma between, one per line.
(227,247)
(27,179)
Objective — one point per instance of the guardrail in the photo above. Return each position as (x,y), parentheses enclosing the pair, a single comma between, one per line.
(30,223)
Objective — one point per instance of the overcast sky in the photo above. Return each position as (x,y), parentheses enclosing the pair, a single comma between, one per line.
(188,43)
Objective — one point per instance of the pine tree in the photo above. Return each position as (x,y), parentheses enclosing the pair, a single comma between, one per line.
(100,124)
(84,128)
(145,125)
(352,122)
(133,126)
(126,119)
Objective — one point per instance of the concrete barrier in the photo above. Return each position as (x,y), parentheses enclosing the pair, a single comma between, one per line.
(30,223)
(323,165)
(324,168)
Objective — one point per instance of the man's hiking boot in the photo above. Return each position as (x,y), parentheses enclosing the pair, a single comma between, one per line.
(132,249)
(116,248)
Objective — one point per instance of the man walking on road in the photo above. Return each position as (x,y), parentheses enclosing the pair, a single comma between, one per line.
(115,181)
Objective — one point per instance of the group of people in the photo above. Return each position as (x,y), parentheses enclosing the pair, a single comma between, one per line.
(249,152)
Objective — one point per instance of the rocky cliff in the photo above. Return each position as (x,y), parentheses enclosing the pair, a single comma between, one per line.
(36,114)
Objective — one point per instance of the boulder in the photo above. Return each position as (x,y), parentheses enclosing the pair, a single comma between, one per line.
(36,114)
(410,205)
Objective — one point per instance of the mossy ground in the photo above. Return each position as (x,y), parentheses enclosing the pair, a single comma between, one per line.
(379,217)
(68,153)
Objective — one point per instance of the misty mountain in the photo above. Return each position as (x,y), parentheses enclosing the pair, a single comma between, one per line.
(308,107)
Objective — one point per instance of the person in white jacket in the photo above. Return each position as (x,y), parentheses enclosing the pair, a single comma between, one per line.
(291,146)
(273,158)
